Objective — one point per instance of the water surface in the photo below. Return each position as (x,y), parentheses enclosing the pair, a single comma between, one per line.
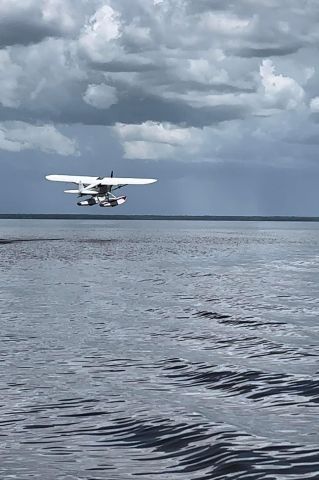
(171,350)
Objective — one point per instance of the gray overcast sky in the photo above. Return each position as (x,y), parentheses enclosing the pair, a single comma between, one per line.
(217,99)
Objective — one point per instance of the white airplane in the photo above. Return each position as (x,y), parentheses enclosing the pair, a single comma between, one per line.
(99,189)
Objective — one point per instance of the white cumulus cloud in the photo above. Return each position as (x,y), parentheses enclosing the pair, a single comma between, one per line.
(18,136)
(155,140)
(226,23)
(281,91)
(314,104)
(99,35)
(100,96)
(10,75)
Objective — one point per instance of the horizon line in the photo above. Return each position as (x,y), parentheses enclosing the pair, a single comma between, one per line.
(79,216)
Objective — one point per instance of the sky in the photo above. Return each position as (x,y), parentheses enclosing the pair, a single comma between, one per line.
(217,99)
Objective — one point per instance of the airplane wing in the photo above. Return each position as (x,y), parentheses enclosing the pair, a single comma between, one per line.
(72,179)
(94,181)
(127,181)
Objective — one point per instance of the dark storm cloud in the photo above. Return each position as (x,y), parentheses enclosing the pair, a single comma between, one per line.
(266,52)
(280,28)
(31,21)
(24,31)
(125,66)
(134,110)
(201,6)
(161,57)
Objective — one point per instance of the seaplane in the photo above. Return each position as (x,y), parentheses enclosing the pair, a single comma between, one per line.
(99,189)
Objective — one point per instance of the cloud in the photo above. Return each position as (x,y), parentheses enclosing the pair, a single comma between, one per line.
(171,61)
(100,96)
(98,39)
(227,24)
(39,80)
(265,51)
(314,104)
(112,45)
(10,77)
(154,132)
(280,91)
(153,140)
(148,150)
(19,136)
(30,21)
(169,68)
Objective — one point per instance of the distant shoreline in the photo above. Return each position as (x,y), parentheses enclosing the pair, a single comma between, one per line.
(204,218)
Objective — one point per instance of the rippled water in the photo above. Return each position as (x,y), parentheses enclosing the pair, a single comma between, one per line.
(171,350)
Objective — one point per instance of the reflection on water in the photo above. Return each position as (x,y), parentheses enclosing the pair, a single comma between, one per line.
(174,350)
